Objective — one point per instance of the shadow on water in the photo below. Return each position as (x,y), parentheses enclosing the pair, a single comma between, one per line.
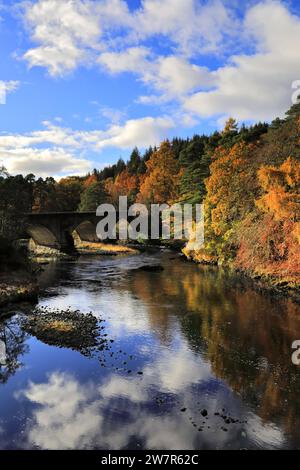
(197,359)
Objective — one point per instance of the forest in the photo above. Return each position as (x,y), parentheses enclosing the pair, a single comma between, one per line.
(247,176)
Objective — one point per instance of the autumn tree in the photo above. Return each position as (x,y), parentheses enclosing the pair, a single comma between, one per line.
(161,180)
(229,198)
(89,180)
(124,184)
(281,187)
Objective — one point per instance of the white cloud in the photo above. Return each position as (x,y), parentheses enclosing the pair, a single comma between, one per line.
(133,59)
(140,132)
(64,30)
(11,85)
(68,31)
(53,134)
(58,151)
(192,26)
(171,77)
(7,87)
(43,162)
(177,76)
(251,86)
(257,86)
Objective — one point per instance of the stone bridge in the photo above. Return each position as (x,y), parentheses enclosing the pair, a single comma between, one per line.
(55,229)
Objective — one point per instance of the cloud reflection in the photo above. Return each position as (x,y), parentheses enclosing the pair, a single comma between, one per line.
(67,416)
(121,410)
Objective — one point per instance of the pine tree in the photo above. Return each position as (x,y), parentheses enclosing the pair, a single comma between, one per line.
(134,162)
(294,112)
(196,168)
(92,197)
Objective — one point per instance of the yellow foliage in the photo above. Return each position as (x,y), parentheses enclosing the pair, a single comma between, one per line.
(296,232)
(282,190)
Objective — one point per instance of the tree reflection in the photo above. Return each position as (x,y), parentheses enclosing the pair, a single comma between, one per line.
(12,347)
(246,335)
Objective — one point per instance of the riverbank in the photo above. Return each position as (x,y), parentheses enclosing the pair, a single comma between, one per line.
(276,282)
(17,279)
(17,286)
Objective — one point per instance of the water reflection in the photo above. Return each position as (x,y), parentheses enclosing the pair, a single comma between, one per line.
(2,353)
(186,339)
(121,413)
(12,348)
(245,335)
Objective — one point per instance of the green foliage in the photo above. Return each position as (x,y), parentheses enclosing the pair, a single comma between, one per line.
(294,112)
(134,163)
(195,163)
(16,195)
(92,197)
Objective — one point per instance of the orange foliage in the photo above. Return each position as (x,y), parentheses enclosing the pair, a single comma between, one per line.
(269,247)
(124,185)
(261,236)
(160,184)
(89,181)
(282,187)
(270,239)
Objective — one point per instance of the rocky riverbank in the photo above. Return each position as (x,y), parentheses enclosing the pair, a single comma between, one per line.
(17,286)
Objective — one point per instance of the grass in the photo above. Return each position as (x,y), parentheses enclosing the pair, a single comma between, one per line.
(59,325)
(104,248)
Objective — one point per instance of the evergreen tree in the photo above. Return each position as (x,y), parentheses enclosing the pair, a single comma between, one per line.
(92,197)
(294,112)
(120,166)
(276,123)
(134,162)
(196,168)
(230,133)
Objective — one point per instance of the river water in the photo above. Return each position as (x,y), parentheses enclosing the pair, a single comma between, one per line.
(197,360)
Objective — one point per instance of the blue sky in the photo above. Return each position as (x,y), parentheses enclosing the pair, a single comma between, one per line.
(87,80)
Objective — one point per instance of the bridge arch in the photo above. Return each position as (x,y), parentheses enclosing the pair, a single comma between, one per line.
(43,236)
(86,231)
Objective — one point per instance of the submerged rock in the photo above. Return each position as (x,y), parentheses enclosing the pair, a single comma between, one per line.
(150,268)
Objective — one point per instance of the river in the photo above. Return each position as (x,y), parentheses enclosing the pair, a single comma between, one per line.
(197,359)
